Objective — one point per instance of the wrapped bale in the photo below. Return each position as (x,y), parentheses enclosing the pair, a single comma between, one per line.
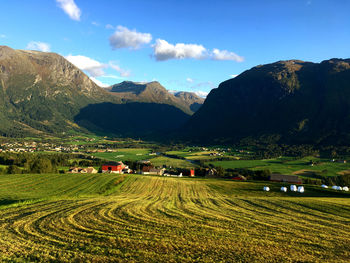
(284,189)
(266,188)
(335,187)
(293,188)
(346,189)
(324,186)
(301,189)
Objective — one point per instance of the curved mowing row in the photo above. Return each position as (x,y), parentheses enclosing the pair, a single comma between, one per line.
(153,219)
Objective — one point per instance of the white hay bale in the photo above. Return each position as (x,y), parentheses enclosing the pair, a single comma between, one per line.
(284,189)
(324,186)
(335,187)
(301,189)
(293,188)
(266,188)
(346,189)
(339,188)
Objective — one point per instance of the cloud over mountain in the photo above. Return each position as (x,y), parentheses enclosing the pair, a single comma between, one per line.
(93,67)
(162,50)
(165,51)
(225,55)
(39,46)
(125,38)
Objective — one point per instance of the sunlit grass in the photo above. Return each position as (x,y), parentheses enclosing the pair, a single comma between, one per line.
(137,218)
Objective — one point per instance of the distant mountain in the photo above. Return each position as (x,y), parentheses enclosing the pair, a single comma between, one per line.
(287,102)
(154,92)
(43,93)
(191,99)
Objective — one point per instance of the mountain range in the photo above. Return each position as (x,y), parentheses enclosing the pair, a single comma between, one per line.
(291,102)
(44,93)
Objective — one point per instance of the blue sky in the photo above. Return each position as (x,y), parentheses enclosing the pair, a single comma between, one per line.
(185,45)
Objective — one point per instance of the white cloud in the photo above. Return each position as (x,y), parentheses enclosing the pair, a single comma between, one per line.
(125,38)
(189,80)
(201,93)
(40,46)
(165,51)
(93,67)
(95,23)
(225,55)
(99,83)
(234,75)
(70,8)
(123,72)
(3,36)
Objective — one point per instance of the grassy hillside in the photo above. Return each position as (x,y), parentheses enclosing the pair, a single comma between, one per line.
(154,219)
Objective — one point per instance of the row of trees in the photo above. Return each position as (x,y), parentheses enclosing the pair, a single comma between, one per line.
(18,163)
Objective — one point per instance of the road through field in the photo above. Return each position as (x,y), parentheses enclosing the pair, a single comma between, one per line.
(154,219)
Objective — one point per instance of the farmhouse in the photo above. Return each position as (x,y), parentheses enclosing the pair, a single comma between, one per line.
(239,178)
(285,178)
(151,170)
(116,168)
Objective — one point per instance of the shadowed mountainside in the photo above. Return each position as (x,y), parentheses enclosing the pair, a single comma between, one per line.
(131,119)
(287,101)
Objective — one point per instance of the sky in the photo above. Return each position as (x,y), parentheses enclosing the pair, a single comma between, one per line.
(185,45)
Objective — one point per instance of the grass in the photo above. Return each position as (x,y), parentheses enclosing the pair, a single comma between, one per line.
(171,162)
(154,219)
(132,154)
(199,155)
(287,165)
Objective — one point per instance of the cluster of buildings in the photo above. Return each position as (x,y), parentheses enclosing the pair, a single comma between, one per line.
(30,147)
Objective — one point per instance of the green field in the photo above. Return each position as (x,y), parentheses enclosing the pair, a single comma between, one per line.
(198,155)
(287,165)
(171,162)
(104,218)
(124,154)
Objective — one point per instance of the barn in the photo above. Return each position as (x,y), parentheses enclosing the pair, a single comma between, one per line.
(285,178)
(116,168)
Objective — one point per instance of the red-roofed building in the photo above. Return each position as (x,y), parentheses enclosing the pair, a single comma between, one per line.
(113,168)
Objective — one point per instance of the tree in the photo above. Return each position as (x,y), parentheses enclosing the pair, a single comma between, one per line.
(13,169)
(42,165)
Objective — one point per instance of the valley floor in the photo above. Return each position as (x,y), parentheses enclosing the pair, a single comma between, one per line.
(101,218)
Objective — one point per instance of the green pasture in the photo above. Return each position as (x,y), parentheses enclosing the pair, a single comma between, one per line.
(124,154)
(171,162)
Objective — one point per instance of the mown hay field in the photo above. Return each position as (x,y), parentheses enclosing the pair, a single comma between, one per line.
(285,166)
(104,218)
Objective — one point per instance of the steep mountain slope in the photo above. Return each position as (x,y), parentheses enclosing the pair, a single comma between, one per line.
(154,92)
(287,101)
(42,91)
